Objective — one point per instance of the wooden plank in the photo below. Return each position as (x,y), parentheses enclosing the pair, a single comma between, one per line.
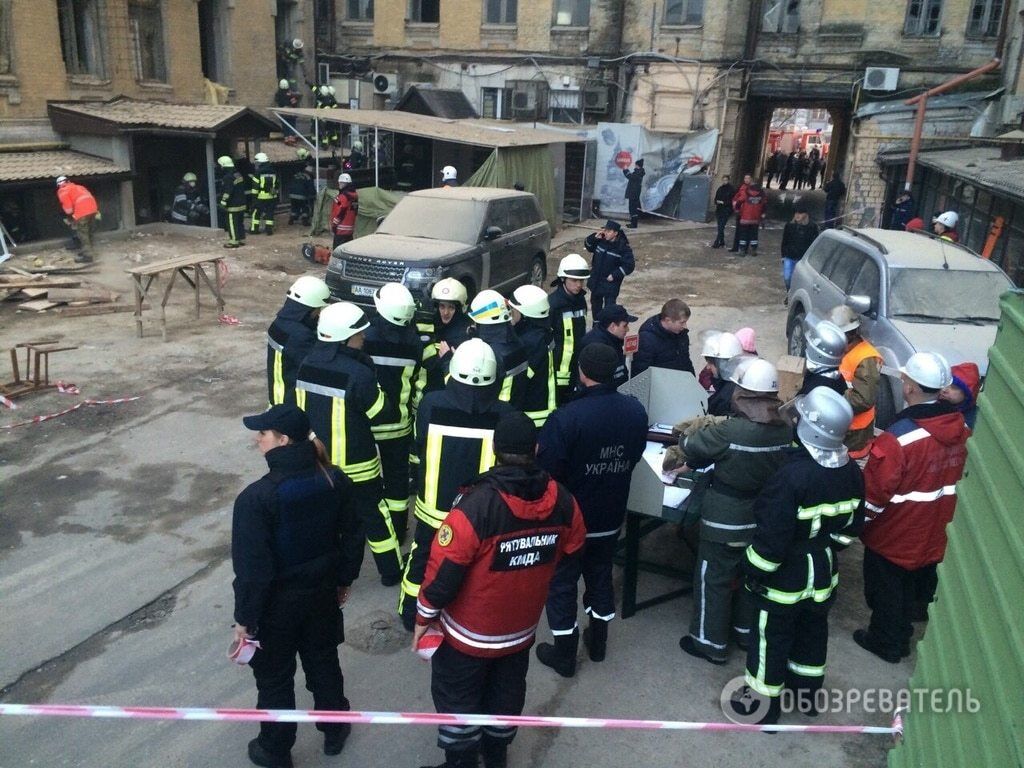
(90,295)
(97,309)
(168,264)
(37,305)
(33,293)
(16,284)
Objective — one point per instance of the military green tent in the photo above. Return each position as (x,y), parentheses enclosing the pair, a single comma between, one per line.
(532,166)
(374,202)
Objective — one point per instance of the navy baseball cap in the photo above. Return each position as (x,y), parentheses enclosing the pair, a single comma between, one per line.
(612,224)
(615,313)
(284,418)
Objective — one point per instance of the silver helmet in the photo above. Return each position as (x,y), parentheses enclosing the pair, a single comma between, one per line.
(826,344)
(824,416)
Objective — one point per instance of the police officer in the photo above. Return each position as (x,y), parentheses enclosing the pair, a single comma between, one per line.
(634,184)
(395,347)
(337,388)
(454,436)
(591,446)
(265,194)
(490,312)
(613,260)
(610,329)
(233,194)
(825,347)
(861,368)
(745,450)
(809,510)
(449,327)
(296,548)
(530,312)
(717,350)
(568,310)
(292,335)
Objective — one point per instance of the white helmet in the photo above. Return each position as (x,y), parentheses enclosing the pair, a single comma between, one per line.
(448,173)
(824,417)
(310,291)
(394,303)
(473,363)
(261,157)
(62,180)
(531,301)
(324,90)
(575,266)
(759,376)
(340,322)
(344,179)
(489,308)
(357,146)
(845,318)
(733,368)
(331,90)
(225,162)
(929,369)
(297,44)
(722,346)
(826,344)
(449,289)
(949,219)
(283,83)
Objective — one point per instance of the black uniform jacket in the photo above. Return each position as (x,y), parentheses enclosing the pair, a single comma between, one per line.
(289,339)
(599,335)
(611,257)
(568,324)
(397,353)
(661,349)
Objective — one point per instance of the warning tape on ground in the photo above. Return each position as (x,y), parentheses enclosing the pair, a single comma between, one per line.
(75,407)
(414,718)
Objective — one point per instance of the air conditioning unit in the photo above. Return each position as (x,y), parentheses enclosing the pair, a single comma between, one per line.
(881,78)
(595,99)
(385,83)
(528,97)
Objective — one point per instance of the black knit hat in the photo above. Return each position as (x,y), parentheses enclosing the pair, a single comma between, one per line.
(598,362)
(516,434)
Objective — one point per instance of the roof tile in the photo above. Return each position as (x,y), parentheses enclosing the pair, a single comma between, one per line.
(28,166)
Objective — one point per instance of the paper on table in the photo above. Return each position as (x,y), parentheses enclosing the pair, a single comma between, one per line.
(654,453)
(660,429)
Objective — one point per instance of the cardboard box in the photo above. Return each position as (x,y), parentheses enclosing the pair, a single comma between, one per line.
(791,376)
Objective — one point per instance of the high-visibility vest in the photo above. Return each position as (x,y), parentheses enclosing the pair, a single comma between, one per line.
(848,367)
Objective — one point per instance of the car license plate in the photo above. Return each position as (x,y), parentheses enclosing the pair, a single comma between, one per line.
(363,290)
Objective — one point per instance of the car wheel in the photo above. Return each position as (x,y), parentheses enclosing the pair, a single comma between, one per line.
(885,406)
(538,271)
(797,344)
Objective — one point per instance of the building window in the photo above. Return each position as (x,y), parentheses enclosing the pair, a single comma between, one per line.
(5,37)
(923,17)
(565,107)
(985,18)
(500,11)
(684,11)
(572,13)
(146,28)
(81,38)
(425,11)
(360,10)
(496,103)
(781,16)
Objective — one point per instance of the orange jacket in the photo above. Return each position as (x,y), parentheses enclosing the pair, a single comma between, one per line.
(848,368)
(76,200)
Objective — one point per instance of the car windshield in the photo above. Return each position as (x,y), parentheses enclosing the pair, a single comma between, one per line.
(434,218)
(938,295)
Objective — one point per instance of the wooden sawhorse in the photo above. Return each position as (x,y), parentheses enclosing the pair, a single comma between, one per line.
(179,265)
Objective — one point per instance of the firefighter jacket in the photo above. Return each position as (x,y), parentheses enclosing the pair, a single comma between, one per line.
(539,390)
(591,445)
(264,183)
(805,515)
(337,388)
(455,443)
(233,192)
(611,257)
(76,201)
(396,352)
(292,529)
(600,335)
(512,362)
(659,348)
(290,338)
(746,450)
(911,475)
(861,368)
(343,212)
(493,558)
(568,325)
(435,365)
(301,187)
(186,198)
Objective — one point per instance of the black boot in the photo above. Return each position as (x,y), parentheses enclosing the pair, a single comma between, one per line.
(495,753)
(334,740)
(595,637)
(460,759)
(561,656)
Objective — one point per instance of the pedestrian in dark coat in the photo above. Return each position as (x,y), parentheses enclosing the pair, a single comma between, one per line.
(788,170)
(634,183)
(664,340)
(796,239)
(723,209)
(902,211)
(612,261)
(610,329)
(835,191)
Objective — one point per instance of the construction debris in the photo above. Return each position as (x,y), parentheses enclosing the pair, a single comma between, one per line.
(41,293)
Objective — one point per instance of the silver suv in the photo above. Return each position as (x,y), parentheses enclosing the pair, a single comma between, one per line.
(914,293)
(484,237)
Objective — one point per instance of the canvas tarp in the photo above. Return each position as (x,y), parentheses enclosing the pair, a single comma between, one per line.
(532,166)
(374,202)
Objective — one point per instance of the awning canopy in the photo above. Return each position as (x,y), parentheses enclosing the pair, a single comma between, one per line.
(122,115)
(980,166)
(27,167)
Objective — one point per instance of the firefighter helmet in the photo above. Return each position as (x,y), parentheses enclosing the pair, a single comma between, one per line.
(340,322)
(225,162)
(344,179)
(297,44)
(310,291)
(949,219)
(473,363)
(357,146)
(530,301)
(261,157)
(823,418)
(394,303)
(448,173)
(62,180)
(575,266)
(826,344)
(449,289)
(282,83)
(489,308)
(190,178)
(929,369)
(758,376)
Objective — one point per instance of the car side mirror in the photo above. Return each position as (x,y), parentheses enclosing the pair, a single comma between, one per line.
(859,304)
(492,233)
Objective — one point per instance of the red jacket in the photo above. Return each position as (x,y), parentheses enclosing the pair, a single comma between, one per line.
(343,213)
(740,196)
(752,207)
(493,558)
(76,200)
(910,483)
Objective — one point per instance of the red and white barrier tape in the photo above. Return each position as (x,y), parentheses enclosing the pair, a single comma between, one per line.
(66,388)
(222,274)
(409,718)
(75,407)
(8,403)
(228,320)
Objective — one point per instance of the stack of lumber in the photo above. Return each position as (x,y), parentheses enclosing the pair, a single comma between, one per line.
(66,295)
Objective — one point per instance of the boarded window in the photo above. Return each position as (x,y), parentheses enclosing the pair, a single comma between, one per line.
(81,36)
(923,17)
(684,12)
(146,28)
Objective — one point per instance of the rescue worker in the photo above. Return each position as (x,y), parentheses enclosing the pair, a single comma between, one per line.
(634,186)
(454,436)
(187,206)
(449,328)
(862,371)
(337,388)
(612,261)
(356,157)
(809,510)
(301,196)
(910,479)
(330,134)
(825,348)
(590,445)
(717,350)
(80,214)
(610,329)
(395,347)
(568,311)
(405,172)
(738,197)
(449,176)
(664,340)
(490,312)
(296,548)
(750,212)
(344,210)
(944,225)
(746,449)
(485,587)
(292,335)
(287,97)
(233,194)
(290,52)
(265,195)
(532,323)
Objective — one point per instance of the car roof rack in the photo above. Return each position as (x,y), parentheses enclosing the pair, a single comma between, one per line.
(862,236)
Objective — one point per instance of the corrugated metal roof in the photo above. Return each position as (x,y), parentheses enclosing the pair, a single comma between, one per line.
(943,101)
(975,635)
(439,102)
(29,166)
(980,165)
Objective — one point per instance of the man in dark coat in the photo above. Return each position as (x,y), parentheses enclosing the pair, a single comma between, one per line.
(610,329)
(664,340)
(612,261)
(796,239)
(902,211)
(634,182)
(723,209)
(835,191)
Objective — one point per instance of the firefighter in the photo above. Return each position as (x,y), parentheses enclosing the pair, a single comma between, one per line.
(233,195)
(301,195)
(454,436)
(395,347)
(490,312)
(568,310)
(809,510)
(188,206)
(337,388)
(344,210)
(745,449)
(718,349)
(287,97)
(450,327)
(292,335)
(861,368)
(330,134)
(265,194)
(825,348)
(449,176)
(530,318)
(356,157)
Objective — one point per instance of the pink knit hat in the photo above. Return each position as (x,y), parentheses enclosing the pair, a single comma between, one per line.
(747,340)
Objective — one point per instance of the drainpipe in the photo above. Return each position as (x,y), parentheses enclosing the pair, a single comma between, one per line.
(921,101)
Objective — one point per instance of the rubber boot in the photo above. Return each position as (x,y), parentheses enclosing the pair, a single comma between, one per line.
(595,637)
(753,251)
(495,753)
(460,759)
(561,656)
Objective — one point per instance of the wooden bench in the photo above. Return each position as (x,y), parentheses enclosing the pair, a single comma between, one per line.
(180,265)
